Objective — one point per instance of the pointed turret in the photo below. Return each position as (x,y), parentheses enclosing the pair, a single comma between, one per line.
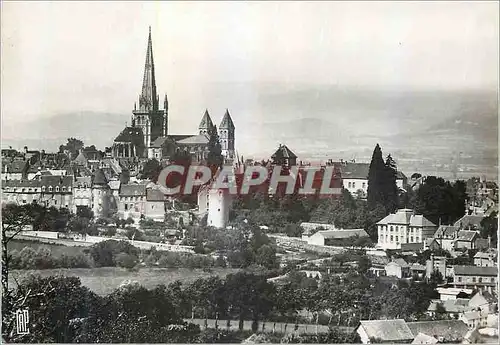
(227,121)
(206,123)
(226,135)
(149,99)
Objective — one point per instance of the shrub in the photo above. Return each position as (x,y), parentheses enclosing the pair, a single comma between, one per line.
(126,260)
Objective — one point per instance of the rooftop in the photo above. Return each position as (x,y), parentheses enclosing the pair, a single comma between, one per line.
(450,330)
(475,271)
(387,330)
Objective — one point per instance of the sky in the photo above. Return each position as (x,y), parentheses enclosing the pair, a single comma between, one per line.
(60,57)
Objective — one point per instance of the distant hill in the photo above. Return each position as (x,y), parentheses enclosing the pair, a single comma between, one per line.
(92,127)
(424,131)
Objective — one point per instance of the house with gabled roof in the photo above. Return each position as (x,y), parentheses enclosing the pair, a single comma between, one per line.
(485,259)
(445,331)
(403,226)
(475,277)
(284,157)
(398,268)
(469,222)
(355,177)
(384,331)
(329,237)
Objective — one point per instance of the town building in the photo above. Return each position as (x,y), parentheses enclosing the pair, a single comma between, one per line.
(384,331)
(403,227)
(453,308)
(82,193)
(355,178)
(436,264)
(474,319)
(335,237)
(445,331)
(474,277)
(398,268)
(284,157)
(485,259)
(46,190)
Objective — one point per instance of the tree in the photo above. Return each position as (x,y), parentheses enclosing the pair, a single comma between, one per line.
(439,200)
(266,256)
(73,146)
(151,169)
(14,220)
(376,178)
(214,159)
(248,296)
(489,228)
(55,305)
(391,191)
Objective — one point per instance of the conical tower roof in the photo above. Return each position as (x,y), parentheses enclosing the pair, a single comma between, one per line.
(227,121)
(149,99)
(206,121)
(99,178)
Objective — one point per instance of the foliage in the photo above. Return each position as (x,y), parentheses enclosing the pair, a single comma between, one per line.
(214,159)
(105,253)
(382,188)
(54,303)
(151,170)
(489,228)
(73,146)
(29,258)
(439,201)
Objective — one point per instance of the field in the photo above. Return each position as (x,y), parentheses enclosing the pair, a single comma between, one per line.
(105,279)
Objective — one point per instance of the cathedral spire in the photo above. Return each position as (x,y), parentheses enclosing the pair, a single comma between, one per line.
(149,99)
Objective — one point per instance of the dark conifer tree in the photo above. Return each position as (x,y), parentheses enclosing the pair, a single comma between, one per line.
(391,190)
(214,159)
(376,177)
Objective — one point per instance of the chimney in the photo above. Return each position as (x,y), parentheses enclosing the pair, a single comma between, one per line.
(26,149)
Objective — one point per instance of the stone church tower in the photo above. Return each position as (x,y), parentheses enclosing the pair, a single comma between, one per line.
(148,117)
(226,136)
(206,123)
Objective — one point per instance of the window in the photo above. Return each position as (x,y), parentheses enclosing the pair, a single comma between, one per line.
(57,188)
(63,189)
(50,188)
(473,279)
(392,238)
(411,239)
(55,202)
(126,207)
(397,239)
(492,280)
(480,279)
(364,185)
(354,185)
(459,279)
(392,228)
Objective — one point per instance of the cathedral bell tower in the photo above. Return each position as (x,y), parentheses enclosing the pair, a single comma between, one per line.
(148,117)
(226,136)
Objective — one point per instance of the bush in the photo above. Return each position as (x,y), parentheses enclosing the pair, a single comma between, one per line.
(126,260)
(104,253)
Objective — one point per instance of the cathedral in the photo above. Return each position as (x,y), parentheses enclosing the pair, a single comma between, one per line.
(148,135)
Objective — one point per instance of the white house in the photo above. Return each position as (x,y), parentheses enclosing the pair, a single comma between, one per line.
(329,237)
(474,319)
(403,227)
